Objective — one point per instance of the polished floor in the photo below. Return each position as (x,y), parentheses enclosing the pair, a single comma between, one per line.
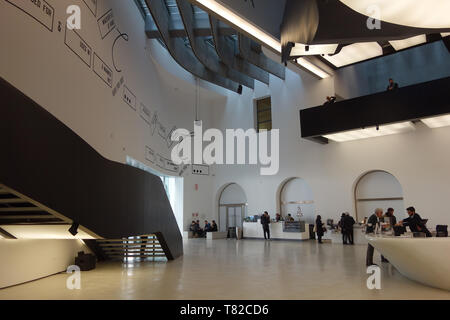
(230,269)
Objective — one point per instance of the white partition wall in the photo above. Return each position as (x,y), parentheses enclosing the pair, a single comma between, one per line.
(378,189)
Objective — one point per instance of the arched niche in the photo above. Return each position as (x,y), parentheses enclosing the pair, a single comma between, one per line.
(377,189)
(232,203)
(294,195)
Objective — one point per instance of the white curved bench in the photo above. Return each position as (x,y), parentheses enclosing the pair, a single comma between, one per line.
(425,260)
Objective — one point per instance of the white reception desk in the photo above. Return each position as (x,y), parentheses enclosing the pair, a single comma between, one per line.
(425,260)
(255,230)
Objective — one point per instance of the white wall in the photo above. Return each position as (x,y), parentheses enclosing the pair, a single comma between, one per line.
(26,260)
(297,190)
(233,194)
(38,62)
(418,159)
(378,185)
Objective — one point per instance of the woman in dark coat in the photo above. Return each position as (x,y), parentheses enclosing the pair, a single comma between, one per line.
(319,228)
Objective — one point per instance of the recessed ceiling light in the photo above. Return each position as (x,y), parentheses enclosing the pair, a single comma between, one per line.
(437,122)
(301,50)
(410,42)
(241,23)
(355,53)
(413,13)
(371,132)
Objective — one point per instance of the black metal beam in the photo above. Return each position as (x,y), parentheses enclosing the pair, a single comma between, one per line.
(227,50)
(178,50)
(205,53)
(405,104)
(247,52)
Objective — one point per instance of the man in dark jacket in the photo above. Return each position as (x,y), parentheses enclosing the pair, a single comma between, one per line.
(344,232)
(265,221)
(348,226)
(415,222)
(372,224)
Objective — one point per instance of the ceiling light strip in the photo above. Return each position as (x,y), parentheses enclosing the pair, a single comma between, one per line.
(371,132)
(241,23)
(255,32)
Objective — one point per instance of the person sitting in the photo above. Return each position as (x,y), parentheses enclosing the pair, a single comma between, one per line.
(192,227)
(289,218)
(414,222)
(278,217)
(392,85)
(198,232)
(207,227)
(214,227)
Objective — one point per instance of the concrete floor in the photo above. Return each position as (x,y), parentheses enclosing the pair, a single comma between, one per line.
(229,269)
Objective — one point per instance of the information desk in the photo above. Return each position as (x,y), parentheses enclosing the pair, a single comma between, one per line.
(255,230)
(425,260)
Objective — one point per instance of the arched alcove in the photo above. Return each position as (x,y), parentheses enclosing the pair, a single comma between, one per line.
(232,202)
(377,189)
(294,196)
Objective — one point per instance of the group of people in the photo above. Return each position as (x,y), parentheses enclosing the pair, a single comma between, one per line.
(414,222)
(199,232)
(346,225)
(392,86)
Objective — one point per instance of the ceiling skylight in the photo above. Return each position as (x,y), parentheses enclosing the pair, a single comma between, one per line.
(300,49)
(437,122)
(413,13)
(355,53)
(410,42)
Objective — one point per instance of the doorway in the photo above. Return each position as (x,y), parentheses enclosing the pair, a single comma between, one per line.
(232,207)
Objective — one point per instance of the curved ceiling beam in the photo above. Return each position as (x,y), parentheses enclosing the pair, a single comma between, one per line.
(227,52)
(256,56)
(178,50)
(330,22)
(205,53)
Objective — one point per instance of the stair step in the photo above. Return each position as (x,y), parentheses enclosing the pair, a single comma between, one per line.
(12,200)
(22,209)
(136,256)
(124,245)
(133,252)
(125,239)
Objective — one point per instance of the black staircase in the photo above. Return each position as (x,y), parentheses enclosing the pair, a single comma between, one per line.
(65,180)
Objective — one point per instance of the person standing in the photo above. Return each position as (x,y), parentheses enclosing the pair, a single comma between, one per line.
(319,228)
(348,225)
(343,229)
(372,224)
(265,221)
(414,222)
